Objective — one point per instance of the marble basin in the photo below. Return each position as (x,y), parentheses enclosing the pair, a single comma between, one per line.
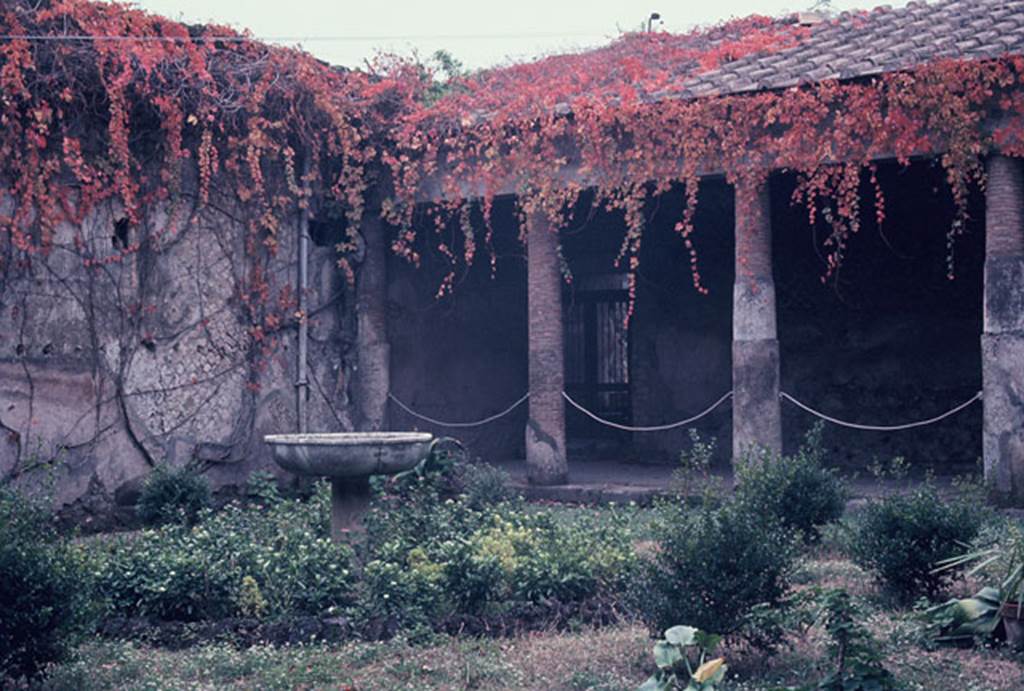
(349,454)
(348,459)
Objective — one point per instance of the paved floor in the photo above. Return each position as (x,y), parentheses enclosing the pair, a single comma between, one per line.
(606,481)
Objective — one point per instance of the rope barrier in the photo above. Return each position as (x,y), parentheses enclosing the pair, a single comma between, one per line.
(690,420)
(653,428)
(442,423)
(881,428)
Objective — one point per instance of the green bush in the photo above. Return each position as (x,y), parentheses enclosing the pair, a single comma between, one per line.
(45,593)
(483,484)
(432,559)
(172,496)
(901,539)
(214,569)
(716,568)
(797,490)
(494,564)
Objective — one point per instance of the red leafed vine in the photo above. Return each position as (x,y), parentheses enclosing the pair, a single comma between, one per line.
(622,120)
(200,111)
(157,120)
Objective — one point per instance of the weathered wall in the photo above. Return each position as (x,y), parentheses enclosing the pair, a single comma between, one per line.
(107,371)
(464,356)
(894,340)
(682,340)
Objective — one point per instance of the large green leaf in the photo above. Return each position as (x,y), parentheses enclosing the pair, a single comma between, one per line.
(968,617)
(666,655)
(682,635)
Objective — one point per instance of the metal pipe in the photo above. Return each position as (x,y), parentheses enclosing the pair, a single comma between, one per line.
(302,382)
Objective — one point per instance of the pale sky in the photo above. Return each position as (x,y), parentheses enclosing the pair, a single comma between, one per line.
(480,33)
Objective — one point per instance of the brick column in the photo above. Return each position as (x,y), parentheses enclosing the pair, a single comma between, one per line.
(372,376)
(1002,343)
(756,413)
(545,429)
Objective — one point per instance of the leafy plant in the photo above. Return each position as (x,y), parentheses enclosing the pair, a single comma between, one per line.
(172,496)
(1003,560)
(858,662)
(714,567)
(902,538)
(676,668)
(262,487)
(797,490)
(190,573)
(967,619)
(483,484)
(433,558)
(45,589)
(250,600)
(695,464)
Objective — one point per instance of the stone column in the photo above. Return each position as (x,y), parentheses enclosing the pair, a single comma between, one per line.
(1002,343)
(756,411)
(545,429)
(372,376)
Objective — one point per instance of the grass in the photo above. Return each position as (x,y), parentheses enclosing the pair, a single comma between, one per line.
(610,659)
(603,659)
(616,657)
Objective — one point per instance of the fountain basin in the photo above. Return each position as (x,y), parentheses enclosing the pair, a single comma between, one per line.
(348,459)
(349,454)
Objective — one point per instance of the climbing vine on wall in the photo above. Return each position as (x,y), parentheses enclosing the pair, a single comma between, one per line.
(127,110)
(139,111)
(622,120)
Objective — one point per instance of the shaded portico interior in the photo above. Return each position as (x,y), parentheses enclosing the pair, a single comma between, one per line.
(889,340)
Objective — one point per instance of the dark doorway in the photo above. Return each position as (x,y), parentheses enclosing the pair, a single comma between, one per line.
(597,358)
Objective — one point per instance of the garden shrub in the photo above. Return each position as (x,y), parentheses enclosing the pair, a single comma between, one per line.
(716,568)
(489,563)
(172,496)
(45,589)
(483,484)
(433,560)
(797,490)
(276,559)
(901,538)
(856,658)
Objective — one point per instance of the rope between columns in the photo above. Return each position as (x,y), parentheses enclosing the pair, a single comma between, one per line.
(476,423)
(881,428)
(653,428)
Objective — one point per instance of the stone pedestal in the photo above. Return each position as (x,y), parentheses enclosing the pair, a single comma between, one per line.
(1002,344)
(372,376)
(350,500)
(756,410)
(545,429)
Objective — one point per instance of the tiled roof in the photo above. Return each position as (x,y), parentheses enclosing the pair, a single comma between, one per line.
(854,45)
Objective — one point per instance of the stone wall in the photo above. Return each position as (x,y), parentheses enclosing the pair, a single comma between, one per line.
(107,371)
(893,339)
(682,340)
(462,357)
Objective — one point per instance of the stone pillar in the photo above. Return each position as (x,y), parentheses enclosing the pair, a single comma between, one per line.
(372,376)
(545,429)
(1002,343)
(756,410)
(350,501)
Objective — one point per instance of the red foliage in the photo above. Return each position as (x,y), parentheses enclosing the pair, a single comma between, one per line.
(178,112)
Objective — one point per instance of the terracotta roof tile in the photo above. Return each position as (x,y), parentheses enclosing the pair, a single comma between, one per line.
(855,45)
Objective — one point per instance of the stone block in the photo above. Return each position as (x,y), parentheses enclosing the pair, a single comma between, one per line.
(1003,436)
(757,416)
